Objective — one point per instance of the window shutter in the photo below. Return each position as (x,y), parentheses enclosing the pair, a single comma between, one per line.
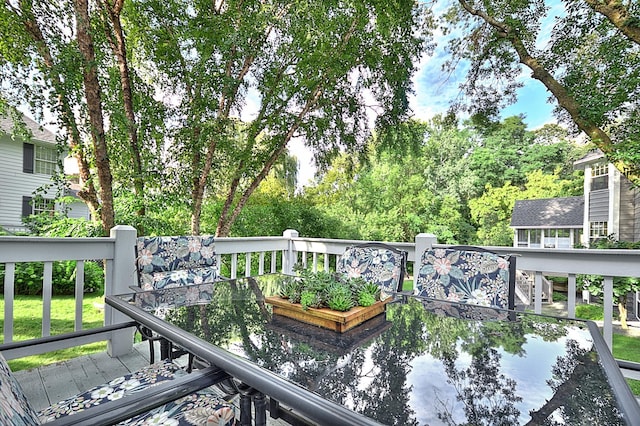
(27,209)
(27,158)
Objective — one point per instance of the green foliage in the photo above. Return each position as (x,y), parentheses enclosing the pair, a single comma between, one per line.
(587,63)
(322,289)
(590,312)
(28,278)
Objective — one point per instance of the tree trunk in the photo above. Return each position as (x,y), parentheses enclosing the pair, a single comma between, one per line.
(622,313)
(94,107)
(118,46)
(67,119)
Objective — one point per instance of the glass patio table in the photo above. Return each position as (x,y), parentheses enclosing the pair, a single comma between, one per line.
(422,361)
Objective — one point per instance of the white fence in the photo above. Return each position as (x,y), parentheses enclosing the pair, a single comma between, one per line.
(258,255)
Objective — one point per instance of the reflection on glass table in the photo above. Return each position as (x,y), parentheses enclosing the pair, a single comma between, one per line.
(421,362)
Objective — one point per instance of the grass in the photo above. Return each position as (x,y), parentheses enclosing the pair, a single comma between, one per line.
(28,325)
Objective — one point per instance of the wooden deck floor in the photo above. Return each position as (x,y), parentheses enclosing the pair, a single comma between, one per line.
(52,383)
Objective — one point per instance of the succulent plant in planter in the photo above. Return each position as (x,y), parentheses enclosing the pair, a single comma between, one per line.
(322,289)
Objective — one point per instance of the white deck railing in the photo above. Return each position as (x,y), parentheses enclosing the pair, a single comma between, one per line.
(258,255)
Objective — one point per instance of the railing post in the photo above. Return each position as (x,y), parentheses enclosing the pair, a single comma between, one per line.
(607,326)
(424,242)
(290,256)
(123,275)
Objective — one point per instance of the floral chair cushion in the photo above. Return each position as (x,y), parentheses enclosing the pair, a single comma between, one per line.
(193,409)
(14,406)
(465,276)
(377,263)
(175,261)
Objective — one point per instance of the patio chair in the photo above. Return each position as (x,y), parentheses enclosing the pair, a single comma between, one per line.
(173,261)
(375,262)
(158,391)
(468,274)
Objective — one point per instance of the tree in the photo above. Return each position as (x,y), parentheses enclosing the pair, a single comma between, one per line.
(40,67)
(590,65)
(309,69)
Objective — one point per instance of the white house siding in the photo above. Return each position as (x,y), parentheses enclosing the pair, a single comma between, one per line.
(14,184)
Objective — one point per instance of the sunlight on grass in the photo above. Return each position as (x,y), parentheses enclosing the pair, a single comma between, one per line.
(28,325)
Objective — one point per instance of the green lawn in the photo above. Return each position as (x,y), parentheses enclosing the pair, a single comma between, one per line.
(28,325)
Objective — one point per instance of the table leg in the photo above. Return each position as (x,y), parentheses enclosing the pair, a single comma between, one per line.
(245,409)
(260,405)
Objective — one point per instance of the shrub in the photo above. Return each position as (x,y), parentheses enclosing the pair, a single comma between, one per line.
(590,312)
(28,278)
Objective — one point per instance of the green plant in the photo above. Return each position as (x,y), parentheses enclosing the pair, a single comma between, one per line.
(28,278)
(340,298)
(322,289)
(590,312)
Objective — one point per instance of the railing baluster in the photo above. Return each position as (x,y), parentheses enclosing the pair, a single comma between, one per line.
(234,265)
(247,264)
(46,298)
(261,263)
(79,290)
(538,293)
(608,310)
(9,281)
(571,299)
(274,262)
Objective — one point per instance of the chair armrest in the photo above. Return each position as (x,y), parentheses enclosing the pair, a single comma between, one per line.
(129,406)
(50,343)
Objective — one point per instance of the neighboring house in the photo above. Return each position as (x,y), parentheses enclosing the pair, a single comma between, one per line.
(27,166)
(548,223)
(610,206)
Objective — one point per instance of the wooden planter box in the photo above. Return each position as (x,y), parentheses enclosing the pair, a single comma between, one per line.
(325,317)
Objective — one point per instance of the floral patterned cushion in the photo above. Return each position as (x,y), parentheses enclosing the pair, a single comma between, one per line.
(475,277)
(174,261)
(193,409)
(14,407)
(375,263)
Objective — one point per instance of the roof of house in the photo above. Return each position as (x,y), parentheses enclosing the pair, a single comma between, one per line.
(593,156)
(38,132)
(566,212)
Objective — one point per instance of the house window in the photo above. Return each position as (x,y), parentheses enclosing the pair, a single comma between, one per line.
(523,238)
(38,205)
(46,160)
(535,238)
(599,176)
(564,238)
(597,230)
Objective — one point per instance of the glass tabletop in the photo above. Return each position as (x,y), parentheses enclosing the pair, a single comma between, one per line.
(420,362)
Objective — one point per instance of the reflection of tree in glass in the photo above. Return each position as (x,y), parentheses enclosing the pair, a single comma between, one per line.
(582,395)
(488,396)
(211,321)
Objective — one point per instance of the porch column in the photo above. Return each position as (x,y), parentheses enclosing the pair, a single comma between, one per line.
(123,274)
(424,242)
(290,256)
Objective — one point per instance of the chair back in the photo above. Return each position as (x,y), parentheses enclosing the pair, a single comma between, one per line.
(468,274)
(375,262)
(175,261)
